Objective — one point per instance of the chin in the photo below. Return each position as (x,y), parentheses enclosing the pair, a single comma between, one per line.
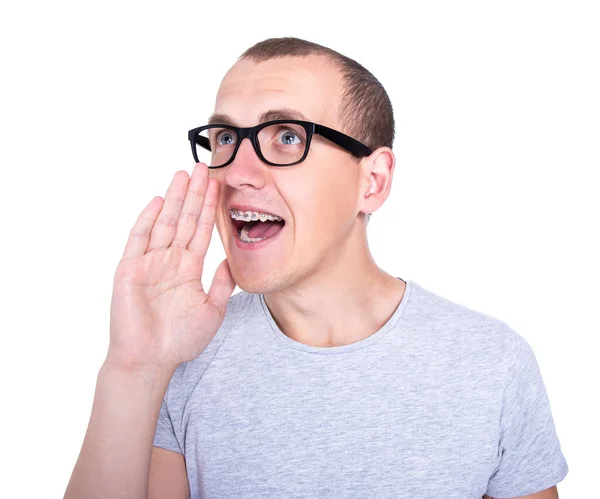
(255,280)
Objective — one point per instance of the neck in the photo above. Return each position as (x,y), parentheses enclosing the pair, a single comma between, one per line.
(344,301)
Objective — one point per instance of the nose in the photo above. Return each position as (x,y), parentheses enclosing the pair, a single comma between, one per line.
(246,170)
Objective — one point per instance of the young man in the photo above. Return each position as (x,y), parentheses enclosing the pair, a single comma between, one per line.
(326,376)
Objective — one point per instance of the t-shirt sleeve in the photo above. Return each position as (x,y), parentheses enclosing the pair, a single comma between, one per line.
(165,433)
(529,454)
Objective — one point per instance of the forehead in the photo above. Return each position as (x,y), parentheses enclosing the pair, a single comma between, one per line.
(310,85)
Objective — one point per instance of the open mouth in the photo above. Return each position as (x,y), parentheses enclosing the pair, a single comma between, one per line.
(253,227)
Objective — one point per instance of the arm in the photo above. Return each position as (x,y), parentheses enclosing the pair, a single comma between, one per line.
(160,317)
(551,493)
(116,453)
(168,475)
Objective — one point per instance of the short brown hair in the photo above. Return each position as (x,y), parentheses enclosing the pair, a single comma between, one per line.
(365,111)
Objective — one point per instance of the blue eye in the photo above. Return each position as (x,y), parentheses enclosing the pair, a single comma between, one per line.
(226,134)
(287,134)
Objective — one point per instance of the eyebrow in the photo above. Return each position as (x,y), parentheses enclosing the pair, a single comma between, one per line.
(284,113)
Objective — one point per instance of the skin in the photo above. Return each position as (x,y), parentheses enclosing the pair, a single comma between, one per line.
(319,279)
(551,493)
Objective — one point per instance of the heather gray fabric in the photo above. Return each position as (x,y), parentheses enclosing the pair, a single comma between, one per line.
(442,401)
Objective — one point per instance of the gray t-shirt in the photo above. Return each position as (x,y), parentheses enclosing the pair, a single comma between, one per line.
(442,401)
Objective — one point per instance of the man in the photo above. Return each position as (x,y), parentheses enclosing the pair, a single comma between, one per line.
(326,376)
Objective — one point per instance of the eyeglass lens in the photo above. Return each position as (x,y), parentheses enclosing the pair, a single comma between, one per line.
(281,143)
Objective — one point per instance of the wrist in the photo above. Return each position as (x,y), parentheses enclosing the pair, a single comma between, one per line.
(138,369)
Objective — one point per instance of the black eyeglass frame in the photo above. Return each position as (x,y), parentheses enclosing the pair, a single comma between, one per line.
(351,145)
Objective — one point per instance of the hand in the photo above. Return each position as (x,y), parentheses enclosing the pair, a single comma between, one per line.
(160,314)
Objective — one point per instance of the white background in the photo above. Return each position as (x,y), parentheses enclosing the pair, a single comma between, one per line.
(494,202)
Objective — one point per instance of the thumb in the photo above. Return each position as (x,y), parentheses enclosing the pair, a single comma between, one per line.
(222,286)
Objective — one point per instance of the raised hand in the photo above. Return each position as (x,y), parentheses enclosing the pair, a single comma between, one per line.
(160,313)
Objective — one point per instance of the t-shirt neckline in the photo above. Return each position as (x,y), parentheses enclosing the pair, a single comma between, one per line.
(369,340)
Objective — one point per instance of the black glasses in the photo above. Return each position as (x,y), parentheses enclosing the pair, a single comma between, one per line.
(277,143)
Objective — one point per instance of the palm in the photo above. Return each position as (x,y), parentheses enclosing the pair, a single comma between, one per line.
(160,311)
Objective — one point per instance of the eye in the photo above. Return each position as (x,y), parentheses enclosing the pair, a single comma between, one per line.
(287,138)
(227,136)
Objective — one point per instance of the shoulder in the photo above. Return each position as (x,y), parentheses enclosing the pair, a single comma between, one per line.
(462,334)
(479,357)
(448,318)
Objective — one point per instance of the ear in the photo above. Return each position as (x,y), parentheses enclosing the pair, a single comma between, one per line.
(378,170)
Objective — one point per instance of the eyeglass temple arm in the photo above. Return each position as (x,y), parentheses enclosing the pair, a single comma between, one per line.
(202,141)
(354,146)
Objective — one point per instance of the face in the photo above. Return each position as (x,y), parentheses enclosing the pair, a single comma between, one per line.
(319,199)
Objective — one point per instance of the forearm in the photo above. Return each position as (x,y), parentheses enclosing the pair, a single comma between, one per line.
(115,456)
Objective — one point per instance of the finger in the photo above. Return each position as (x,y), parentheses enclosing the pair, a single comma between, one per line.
(204,228)
(192,206)
(166,224)
(140,233)
(221,287)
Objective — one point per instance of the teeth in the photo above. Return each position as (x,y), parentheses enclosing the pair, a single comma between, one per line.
(243,235)
(248,216)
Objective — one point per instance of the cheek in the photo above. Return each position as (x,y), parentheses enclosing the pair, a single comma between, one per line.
(219,174)
(223,192)
(321,203)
